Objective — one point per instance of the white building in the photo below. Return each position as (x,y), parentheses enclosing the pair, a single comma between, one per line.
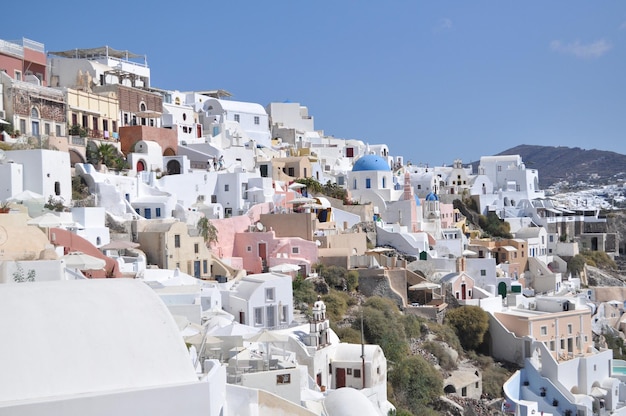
(250,118)
(48,173)
(133,358)
(262,300)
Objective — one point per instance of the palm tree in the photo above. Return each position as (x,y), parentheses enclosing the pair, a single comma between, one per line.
(207,230)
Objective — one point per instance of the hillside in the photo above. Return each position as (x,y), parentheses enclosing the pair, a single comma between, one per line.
(570,164)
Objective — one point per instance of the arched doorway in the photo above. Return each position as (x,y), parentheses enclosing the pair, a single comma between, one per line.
(141,166)
(173,167)
(502,289)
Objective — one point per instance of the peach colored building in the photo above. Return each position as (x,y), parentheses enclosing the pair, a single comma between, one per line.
(261,250)
(566,333)
(166,138)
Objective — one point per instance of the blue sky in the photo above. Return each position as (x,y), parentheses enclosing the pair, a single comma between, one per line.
(436,81)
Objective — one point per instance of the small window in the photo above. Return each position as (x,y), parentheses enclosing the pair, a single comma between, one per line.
(249,249)
(256,120)
(258,316)
(464,391)
(57,188)
(570,328)
(196,248)
(357,373)
(368,183)
(226,188)
(283,378)
(177,240)
(269,294)
(237,118)
(483,272)
(158,212)
(349,371)
(295,250)
(544,330)
(205,266)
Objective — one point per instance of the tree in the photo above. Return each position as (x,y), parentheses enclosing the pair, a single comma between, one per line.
(576,265)
(104,154)
(383,325)
(352,279)
(470,324)
(416,383)
(207,231)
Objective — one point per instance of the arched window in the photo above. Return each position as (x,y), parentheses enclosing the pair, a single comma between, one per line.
(34,113)
(142,107)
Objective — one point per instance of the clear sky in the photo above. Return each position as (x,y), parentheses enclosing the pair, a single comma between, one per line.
(435,80)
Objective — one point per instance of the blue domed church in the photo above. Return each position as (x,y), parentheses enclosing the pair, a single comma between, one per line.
(372,180)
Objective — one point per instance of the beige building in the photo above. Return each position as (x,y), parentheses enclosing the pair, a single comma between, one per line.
(168,245)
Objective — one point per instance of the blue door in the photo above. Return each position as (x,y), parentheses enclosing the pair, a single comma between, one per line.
(196,268)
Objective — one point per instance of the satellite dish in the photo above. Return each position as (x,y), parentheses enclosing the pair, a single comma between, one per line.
(259,226)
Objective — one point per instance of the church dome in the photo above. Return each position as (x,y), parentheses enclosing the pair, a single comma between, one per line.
(432,197)
(370,162)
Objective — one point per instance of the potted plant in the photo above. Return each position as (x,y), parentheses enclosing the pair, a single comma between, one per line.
(5,207)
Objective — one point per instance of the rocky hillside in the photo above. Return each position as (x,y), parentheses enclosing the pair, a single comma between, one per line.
(570,164)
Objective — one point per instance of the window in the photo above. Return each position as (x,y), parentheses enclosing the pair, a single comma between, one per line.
(249,249)
(295,250)
(384,182)
(354,184)
(258,316)
(283,315)
(292,172)
(256,120)
(158,212)
(569,328)
(196,248)
(349,371)
(18,75)
(114,126)
(562,343)
(228,212)
(226,188)
(177,240)
(464,391)
(205,266)
(269,294)
(283,378)
(368,183)
(483,272)
(237,118)
(57,188)
(58,130)
(544,330)
(357,373)
(46,128)
(349,152)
